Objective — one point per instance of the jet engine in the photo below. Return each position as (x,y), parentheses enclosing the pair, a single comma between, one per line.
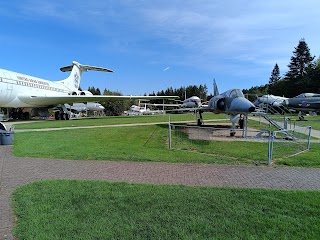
(86,93)
(82,93)
(219,104)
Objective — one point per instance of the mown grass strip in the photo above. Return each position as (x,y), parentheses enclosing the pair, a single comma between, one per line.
(135,143)
(112,120)
(146,143)
(66,209)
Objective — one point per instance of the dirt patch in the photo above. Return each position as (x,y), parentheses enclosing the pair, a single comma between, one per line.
(224,133)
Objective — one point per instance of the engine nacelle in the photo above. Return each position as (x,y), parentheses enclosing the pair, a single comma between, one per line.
(82,93)
(86,93)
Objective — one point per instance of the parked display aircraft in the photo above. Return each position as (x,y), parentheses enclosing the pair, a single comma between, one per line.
(275,101)
(231,102)
(304,102)
(190,102)
(82,107)
(138,110)
(22,91)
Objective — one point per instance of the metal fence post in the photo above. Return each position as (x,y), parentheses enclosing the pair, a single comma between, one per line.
(169,133)
(309,137)
(270,148)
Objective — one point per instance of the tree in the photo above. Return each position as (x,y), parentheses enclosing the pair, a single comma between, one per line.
(115,108)
(94,91)
(300,61)
(298,76)
(274,78)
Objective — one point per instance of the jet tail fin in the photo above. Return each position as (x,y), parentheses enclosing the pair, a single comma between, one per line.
(84,68)
(73,81)
(215,88)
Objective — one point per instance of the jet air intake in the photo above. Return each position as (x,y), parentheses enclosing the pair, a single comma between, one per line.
(219,104)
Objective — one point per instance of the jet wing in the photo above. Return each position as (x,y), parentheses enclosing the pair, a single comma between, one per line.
(162,105)
(198,109)
(45,101)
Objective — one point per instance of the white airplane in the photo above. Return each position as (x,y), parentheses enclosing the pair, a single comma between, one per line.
(190,102)
(138,110)
(275,101)
(23,91)
(82,107)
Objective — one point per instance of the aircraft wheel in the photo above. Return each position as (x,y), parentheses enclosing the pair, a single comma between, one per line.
(232,133)
(56,115)
(26,115)
(67,116)
(62,117)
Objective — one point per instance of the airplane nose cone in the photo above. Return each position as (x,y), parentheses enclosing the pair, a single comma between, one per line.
(285,102)
(241,105)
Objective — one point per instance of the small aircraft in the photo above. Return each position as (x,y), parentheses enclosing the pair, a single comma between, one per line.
(23,91)
(82,107)
(304,102)
(138,110)
(141,109)
(190,102)
(231,102)
(275,101)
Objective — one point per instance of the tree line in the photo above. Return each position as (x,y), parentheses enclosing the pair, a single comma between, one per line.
(303,75)
(116,108)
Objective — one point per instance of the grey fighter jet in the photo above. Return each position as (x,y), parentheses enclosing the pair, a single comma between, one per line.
(231,102)
(304,102)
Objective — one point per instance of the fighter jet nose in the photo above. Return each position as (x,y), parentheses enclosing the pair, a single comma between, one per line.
(241,105)
(252,109)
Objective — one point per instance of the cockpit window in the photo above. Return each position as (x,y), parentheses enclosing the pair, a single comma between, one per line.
(236,93)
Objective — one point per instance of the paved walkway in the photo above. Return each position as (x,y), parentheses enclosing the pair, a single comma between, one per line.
(15,172)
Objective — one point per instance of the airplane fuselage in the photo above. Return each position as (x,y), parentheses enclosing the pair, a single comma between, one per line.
(191,102)
(304,104)
(230,102)
(13,85)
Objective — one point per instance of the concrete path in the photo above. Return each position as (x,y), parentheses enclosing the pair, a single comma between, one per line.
(15,172)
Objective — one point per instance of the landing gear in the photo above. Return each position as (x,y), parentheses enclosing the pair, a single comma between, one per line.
(241,122)
(61,116)
(57,115)
(200,120)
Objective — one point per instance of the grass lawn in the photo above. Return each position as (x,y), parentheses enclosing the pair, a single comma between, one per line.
(131,143)
(66,209)
(145,143)
(112,120)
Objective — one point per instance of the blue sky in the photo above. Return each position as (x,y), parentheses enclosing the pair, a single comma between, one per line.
(155,44)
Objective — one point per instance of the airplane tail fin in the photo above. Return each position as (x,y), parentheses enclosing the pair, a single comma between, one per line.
(215,88)
(73,81)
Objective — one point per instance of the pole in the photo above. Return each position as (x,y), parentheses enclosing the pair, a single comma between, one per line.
(309,137)
(169,133)
(270,148)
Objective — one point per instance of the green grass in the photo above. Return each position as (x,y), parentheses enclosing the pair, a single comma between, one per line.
(133,143)
(114,120)
(147,143)
(65,209)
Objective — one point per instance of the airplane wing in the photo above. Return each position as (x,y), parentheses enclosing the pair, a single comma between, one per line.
(198,109)
(45,101)
(163,105)
(310,102)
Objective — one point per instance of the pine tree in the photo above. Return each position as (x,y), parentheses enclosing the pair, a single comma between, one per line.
(300,61)
(274,78)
